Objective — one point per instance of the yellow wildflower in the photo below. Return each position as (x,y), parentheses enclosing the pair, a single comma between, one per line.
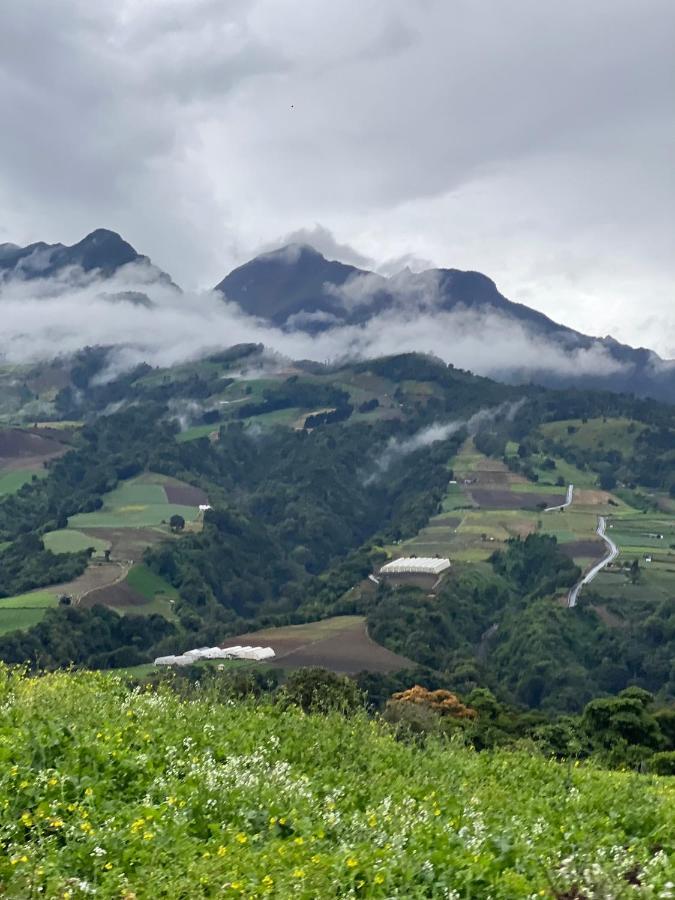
(241,838)
(222,851)
(379,878)
(268,881)
(108,866)
(299,841)
(298,873)
(148,835)
(26,818)
(88,792)
(352,863)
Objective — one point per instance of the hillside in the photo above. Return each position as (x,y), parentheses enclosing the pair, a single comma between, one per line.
(295,287)
(289,297)
(118,793)
(315,475)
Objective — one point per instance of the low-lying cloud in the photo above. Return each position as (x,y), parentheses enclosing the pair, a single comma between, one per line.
(148,320)
(440,431)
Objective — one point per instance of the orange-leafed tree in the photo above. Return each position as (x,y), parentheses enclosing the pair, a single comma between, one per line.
(445,703)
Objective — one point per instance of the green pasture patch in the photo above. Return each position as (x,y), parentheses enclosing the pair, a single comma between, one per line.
(147,583)
(25,610)
(10,482)
(69,540)
(611,433)
(196,432)
(285,416)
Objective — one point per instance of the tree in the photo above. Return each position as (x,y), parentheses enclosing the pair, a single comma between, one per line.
(176,523)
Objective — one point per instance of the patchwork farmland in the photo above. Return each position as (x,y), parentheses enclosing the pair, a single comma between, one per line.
(133,516)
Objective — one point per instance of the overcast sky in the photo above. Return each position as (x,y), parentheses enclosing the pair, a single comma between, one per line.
(530,140)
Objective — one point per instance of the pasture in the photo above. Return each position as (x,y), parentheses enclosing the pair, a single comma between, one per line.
(69,540)
(12,480)
(140,502)
(25,610)
(614,433)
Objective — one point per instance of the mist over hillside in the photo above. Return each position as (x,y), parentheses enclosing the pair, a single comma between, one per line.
(56,300)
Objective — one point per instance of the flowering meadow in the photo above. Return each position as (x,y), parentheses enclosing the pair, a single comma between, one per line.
(111,791)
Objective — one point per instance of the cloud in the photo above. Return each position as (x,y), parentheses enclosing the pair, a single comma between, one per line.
(440,431)
(529,141)
(45,317)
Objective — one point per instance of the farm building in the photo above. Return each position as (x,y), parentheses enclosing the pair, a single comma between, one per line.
(415,565)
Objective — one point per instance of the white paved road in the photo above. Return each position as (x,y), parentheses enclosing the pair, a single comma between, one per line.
(598,567)
(568,500)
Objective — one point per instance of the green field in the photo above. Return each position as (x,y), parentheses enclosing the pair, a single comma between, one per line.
(10,482)
(146,582)
(152,794)
(68,540)
(615,433)
(197,431)
(138,503)
(24,610)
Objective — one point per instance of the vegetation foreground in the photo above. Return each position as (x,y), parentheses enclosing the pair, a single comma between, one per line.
(110,791)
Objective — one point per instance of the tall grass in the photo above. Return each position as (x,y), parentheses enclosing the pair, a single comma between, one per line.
(109,791)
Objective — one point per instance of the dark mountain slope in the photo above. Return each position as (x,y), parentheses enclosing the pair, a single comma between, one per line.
(297,288)
(102,249)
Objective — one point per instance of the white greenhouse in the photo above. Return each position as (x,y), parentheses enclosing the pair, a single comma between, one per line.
(237,652)
(416,565)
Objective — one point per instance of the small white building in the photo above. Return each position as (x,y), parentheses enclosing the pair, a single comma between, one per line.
(415,565)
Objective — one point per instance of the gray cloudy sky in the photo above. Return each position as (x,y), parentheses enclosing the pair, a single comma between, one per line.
(533,140)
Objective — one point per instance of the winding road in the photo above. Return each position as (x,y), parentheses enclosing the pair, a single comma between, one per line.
(568,500)
(598,567)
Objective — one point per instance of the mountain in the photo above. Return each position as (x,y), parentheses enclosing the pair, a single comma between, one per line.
(102,249)
(296,288)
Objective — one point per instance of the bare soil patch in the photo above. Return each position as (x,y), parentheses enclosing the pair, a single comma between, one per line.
(185,495)
(24,449)
(127,543)
(346,651)
(96,575)
(590,497)
(583,549)
(445,522)
(118,596)
(503,499)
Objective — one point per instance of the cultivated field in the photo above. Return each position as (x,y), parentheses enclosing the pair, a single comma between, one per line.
(340,644)
(141,502)
(141,591)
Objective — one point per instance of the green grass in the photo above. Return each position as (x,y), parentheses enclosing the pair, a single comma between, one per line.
(277,417)
(196,432)
(10,482)
(147,583)
(69,540)
(614,434)
(151,795)
(24,610)
(138,503)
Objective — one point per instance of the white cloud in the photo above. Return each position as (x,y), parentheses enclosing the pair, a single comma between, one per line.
(528,141)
